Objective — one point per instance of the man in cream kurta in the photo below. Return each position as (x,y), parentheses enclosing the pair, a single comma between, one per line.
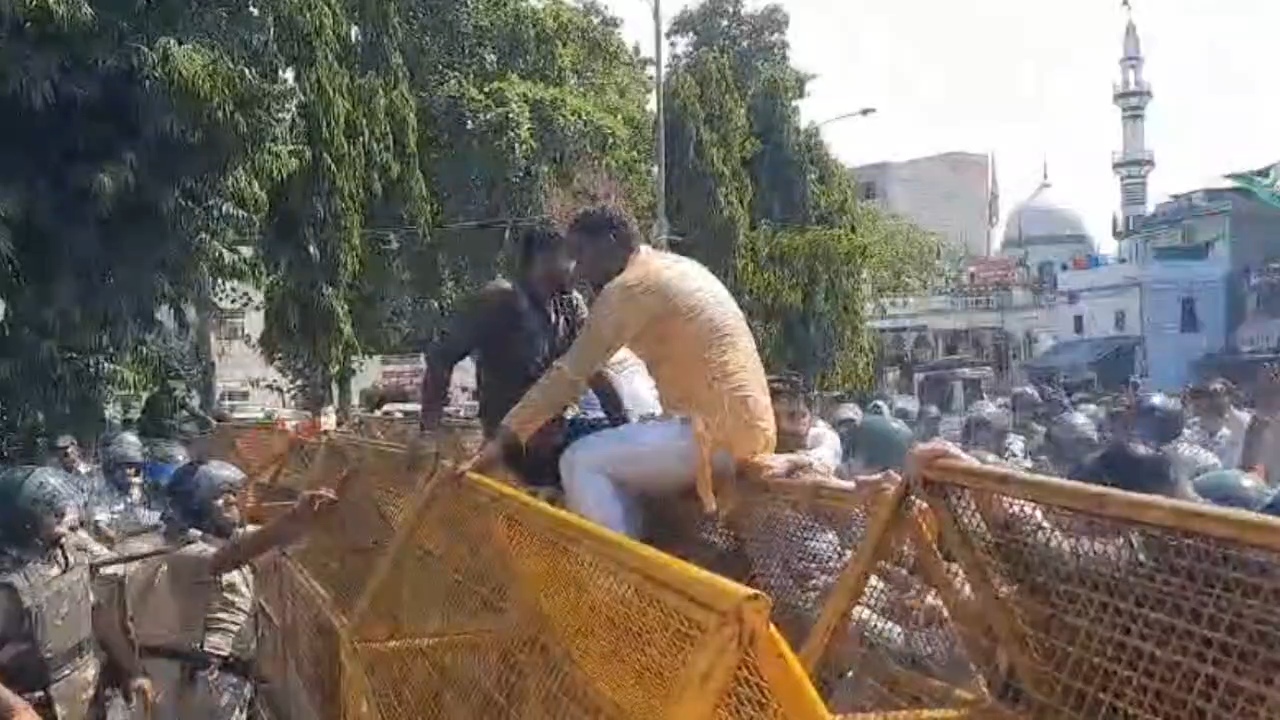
(686,327)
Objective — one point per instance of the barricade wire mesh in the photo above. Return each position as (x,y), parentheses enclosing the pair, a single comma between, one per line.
(990,594)
(499,606)
(1117,617)
(894,647)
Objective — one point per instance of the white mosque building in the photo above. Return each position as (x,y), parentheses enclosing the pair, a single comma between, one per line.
(1045,235)
(1050,291)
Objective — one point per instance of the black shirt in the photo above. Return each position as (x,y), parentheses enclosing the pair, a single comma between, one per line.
(513,337)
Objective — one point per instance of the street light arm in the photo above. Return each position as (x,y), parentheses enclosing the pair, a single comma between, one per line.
(864,112)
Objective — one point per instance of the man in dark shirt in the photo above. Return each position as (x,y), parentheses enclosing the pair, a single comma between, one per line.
(515,330)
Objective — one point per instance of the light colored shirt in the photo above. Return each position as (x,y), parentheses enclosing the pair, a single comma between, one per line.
(682,322)
(635,386)
(1230,440)
(822,445)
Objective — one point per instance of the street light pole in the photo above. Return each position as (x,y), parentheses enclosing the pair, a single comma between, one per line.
(864,112)
(662,227)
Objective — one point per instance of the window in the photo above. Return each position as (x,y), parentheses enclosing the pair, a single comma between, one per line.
(868,191)
(1119,321)
(1190,322)
(230,326)
(232,396)
(1077,324)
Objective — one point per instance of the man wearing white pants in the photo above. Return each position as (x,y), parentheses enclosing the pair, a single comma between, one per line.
(681,321)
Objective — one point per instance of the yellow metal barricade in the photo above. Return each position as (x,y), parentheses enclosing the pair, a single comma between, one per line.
(970,592)
(436,596)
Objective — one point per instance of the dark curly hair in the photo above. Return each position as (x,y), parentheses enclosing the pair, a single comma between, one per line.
(537,240)
(608,222)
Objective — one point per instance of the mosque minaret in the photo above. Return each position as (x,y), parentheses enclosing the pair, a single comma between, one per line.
(1134,162)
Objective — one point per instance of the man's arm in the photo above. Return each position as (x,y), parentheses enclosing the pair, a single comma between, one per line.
(615,317)
(601,384)
(459,340)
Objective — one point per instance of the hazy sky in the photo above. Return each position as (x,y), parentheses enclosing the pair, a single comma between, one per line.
(1031,79)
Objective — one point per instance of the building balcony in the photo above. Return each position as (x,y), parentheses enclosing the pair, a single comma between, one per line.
(1133,157)
(1140,89)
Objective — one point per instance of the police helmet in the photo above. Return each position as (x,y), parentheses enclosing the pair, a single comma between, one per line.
(29,497)
(1233,488)
(881,443)
(163,458)
(1158,418)
(196,486)
(124,448)
(846,413)
(878,407)
(906,409)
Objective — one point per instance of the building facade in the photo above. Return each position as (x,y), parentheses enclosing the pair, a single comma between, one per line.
(952,195)
(1095,302)
(243,379)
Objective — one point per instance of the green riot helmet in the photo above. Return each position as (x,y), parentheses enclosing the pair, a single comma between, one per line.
(881,443)
(34,503)
(1233,488)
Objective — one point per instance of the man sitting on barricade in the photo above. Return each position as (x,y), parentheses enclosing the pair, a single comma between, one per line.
(514,330)
(688,329)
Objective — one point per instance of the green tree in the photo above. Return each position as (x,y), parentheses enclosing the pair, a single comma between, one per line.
(518,101)
(709,148)
(139,143)
(356,121)
(758,197)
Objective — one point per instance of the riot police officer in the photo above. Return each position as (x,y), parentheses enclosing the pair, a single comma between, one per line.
(124,506)
(1072,436)
(203,670)
(49,619)
(880,443)
(1159,419)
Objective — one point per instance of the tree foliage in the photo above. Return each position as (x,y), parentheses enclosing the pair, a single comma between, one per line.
(361,163)
(135,149)
(758,197)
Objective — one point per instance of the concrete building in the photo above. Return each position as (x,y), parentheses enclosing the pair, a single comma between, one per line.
(243,379)
(953,194)
(1097,302)
(1204,256)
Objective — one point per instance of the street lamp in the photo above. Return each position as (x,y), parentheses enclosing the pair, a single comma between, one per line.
(663,227)
(864,112)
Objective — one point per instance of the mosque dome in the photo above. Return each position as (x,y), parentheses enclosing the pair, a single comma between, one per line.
(1042,220)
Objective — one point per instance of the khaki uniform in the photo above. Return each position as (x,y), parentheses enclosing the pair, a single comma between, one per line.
(50,654)
(196,632)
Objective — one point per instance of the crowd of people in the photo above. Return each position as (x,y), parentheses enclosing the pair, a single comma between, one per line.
(1202,446)
(125,588)
(607,369)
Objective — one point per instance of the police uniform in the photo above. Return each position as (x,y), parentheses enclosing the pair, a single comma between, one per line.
(48,652)
(196,635)
(123,508)
(196,631)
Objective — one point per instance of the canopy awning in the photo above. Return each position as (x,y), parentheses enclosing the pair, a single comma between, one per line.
(1076,356)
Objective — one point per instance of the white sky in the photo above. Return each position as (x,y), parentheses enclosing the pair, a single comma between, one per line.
(1031,79)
